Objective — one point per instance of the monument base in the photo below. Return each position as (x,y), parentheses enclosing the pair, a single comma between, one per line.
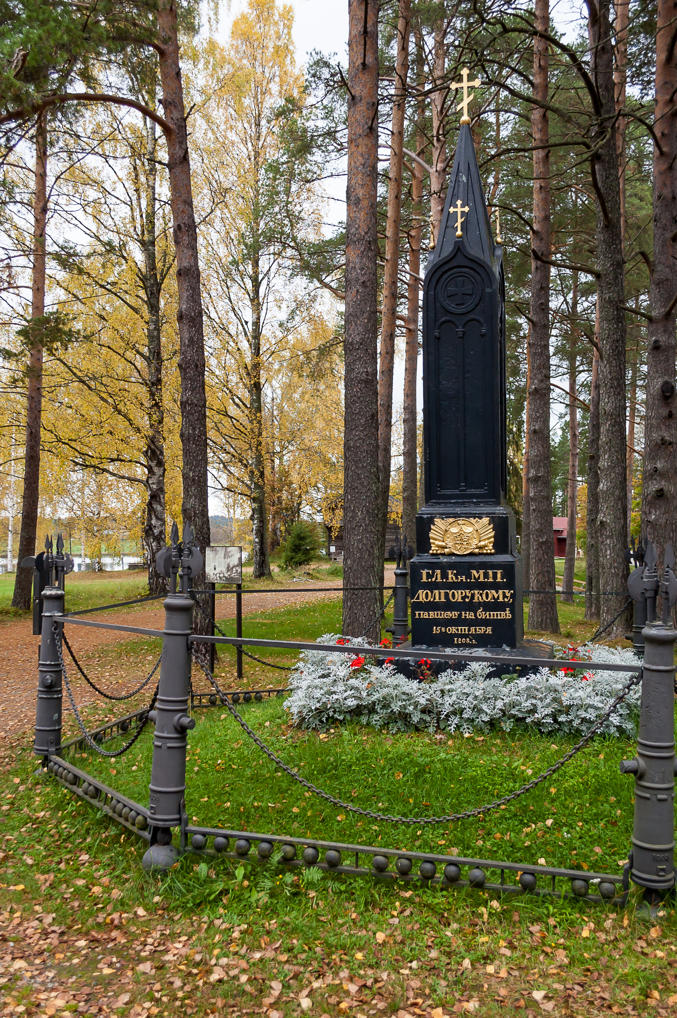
(421,669)
(466,602)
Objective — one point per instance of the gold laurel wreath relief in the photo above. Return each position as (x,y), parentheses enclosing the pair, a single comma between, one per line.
(462,536)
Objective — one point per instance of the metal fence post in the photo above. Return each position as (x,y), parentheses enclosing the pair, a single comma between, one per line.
(653,841)
(400,626)
(48,711)
(238,629)
(168,773)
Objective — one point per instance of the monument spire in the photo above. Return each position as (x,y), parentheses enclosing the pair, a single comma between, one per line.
(465,577)
(465,189)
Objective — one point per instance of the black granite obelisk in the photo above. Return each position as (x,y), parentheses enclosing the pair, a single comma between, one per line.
(465,579)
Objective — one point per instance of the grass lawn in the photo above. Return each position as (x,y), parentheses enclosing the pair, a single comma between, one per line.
(579,570)
(91,590)
(84,590)
(84,930)
(231,784)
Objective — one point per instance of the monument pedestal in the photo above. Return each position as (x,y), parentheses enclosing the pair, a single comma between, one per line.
(465,601)
(466,584)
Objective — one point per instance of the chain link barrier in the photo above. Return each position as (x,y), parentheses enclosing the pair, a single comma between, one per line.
(143,720)
(253,657)
(603,629)
(381,614)
(271,664)
(449,817)
(102,692)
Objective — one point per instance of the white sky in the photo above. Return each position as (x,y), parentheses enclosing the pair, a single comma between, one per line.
(323,24)
(318,24)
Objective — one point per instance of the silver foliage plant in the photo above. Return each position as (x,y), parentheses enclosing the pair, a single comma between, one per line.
(332,688)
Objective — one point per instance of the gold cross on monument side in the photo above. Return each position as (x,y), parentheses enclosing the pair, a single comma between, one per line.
(458,211)
(466,86)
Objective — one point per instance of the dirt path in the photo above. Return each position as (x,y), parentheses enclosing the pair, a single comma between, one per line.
(18,663)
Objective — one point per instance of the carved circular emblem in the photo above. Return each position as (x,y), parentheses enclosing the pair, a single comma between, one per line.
(461,291)
(462,536)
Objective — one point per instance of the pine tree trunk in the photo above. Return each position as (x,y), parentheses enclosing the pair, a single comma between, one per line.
(572,485)
(525,546)
(154,531)
(659,496)
(612,436)
(438,170)
(31,491)
(542,605)
(592,506)
(621,23)
(361,566)
(195,508)
(409,422)
(632,430)
(390,276)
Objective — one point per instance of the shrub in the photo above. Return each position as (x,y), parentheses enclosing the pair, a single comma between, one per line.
(329,689)
(301,545)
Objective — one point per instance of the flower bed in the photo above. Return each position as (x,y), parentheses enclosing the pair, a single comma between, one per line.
(329,689)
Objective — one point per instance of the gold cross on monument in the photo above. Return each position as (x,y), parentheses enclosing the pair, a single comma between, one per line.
(459,210)
(465,85)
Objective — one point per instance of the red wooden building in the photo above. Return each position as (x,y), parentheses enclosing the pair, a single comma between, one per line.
(559,535)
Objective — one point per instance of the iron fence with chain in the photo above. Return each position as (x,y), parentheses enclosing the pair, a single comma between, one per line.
(102,692)
(447,818)
(59,637)
(272,664)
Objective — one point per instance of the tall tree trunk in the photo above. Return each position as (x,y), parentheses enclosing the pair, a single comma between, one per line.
(438,171)
(621,25)
(622,11)
(390,276)
(31,490)
(276,516)
(592,588)
(11,507)
(154,531)
(525,545)
(195,508)
(257,469)
(659,495)
(542,605)
(361,565)
(612,436)
(409,421)
(572,485)
(632,422)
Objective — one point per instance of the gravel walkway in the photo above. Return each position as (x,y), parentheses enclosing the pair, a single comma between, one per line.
(18,663)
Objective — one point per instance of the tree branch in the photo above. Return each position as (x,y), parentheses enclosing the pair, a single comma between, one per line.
(61,98)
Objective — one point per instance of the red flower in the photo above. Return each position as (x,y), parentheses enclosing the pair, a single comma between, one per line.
(425,662)
(587,677)
(385,642)
(389,660)
(341,640)
(357,662)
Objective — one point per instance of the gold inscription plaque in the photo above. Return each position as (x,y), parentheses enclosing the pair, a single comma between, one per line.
(462,536)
